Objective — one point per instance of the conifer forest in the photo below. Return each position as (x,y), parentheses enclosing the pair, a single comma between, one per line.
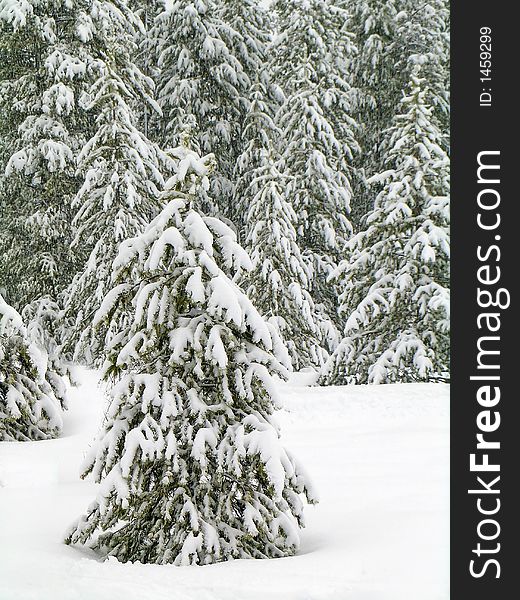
(199,201)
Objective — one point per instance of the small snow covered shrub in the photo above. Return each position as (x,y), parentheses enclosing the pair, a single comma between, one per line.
(29,409)
(189,458)
(44,322)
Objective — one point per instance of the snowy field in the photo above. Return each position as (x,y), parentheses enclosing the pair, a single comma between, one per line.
(379,456)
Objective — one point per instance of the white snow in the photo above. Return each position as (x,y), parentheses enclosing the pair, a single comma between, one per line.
(378,456)
(10,319)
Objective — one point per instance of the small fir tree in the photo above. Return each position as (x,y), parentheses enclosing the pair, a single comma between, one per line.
(29,409)
(43,319)
(190,461)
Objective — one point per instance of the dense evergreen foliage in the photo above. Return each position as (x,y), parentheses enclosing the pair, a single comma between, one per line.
(206,69)
(119,196)
(46,68)
(29,408)
(280,278)
(318,132)
(201,196)
(395,282)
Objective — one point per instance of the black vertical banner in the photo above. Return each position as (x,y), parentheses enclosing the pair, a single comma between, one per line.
(485,426)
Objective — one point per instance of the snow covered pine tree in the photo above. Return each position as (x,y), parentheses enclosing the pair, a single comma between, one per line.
(392,37)
(396,293)
(377,84)
(203,84)
(121,172)
(279,279)
(318,139)
(254,27)
(46,67)
(190,464)
(29,409)
(117,198)
(423,38)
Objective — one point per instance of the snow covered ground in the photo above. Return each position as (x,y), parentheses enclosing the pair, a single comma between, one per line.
(379,456)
